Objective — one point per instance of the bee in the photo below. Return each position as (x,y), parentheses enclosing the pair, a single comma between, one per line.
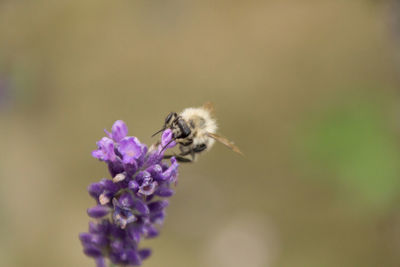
(194,130)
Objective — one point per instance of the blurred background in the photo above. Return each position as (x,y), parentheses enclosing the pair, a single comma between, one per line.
(307,89)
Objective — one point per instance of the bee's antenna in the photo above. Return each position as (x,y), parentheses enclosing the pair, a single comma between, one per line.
(164,147)
(158,132)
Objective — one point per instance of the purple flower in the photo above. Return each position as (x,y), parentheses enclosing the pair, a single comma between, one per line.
(123,215)
(95,189)
(105,151)
(98,211)
(164,192)
(118,131)
(171,173)
(167,139)
(131,203)
(148,188)
(130,149)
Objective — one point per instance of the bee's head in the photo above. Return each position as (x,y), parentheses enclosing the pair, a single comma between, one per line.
(179,127)
(168,123)
(169,119)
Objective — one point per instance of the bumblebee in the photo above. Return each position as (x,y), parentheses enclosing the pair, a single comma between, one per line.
(194,130)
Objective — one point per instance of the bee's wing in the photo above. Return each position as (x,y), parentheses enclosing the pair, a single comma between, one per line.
(209,106)
(226,142)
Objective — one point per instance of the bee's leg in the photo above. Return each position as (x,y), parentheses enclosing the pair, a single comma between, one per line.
(183,159)
(185,153)
(187,150)
(179,158)
(192,152)
(169,156)
(199,148)
(185,143)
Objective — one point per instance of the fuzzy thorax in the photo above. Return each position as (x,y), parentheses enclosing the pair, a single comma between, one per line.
(203,123)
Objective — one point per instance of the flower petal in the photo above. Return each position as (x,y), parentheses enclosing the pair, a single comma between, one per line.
(119,130)
(105,150)
(92,251)
(126,201)
(158,206)
(164,192)
(95,189)
(148,188)
(100,262)
(171,173)
(141,206)
(144,253)
(98,211)
(133,185)
(167,139)
(130,149)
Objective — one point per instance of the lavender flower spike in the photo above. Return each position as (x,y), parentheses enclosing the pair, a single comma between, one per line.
(132,202)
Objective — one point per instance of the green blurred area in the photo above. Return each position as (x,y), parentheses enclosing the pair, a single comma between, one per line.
(307,89)
(353,143)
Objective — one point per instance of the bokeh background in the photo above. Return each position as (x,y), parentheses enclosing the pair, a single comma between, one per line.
(307,89)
